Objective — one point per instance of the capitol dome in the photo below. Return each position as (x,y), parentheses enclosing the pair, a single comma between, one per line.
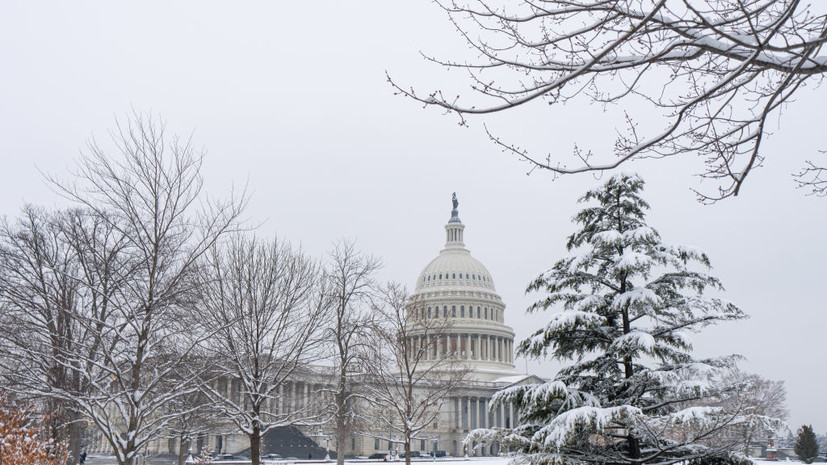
(458,287)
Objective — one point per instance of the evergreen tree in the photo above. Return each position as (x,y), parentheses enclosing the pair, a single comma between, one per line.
(632,392)
(806,446)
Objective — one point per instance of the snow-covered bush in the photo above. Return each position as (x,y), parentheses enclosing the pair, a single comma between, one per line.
(626,303)
(24,439)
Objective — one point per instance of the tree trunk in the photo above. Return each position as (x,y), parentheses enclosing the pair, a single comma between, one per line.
(76,433)
(634,447)
(341,438)
(255,444)
(407,450)
(183,450)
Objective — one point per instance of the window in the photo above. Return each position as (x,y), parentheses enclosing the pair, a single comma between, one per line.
(454,311)
(462,311)
(440,276)
(429,312)
(445,311)
(479,315)
(486,313)
(422,445)
(454,276)
(473,276)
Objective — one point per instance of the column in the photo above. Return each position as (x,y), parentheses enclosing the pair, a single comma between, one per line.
(483,411)
(476,412)
(468,347)
(468,405)
(511,414)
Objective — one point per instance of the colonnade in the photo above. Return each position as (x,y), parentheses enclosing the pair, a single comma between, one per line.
(472,412)
(468,346)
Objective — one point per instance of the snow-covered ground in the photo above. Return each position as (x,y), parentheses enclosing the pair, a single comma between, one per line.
(108,460)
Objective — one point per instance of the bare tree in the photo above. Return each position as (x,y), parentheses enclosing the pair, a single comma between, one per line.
(149,194)
(351,290)
(717,70)
(410,370)
(759,406)
(194,417)
(266,303)
(56,278)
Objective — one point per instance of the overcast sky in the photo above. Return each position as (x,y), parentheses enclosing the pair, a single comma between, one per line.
(291,99)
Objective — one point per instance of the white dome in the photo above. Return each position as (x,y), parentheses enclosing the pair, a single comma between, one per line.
(456,286)
(455,267)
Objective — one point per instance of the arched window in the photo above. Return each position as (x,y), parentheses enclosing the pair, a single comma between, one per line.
(486,313)
(445,311)
(429,312)
(479,313)
(454,311)
(440,276)
(453,276)
(462,311)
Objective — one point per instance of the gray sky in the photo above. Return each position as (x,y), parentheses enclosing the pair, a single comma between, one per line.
(291,98)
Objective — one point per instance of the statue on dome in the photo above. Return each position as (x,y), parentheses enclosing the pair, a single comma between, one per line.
(454,212)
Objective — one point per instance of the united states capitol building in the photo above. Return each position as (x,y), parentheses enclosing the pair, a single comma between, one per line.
(454,286)
(457,286)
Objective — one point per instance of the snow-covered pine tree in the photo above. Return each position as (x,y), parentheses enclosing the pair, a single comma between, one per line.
(632,392)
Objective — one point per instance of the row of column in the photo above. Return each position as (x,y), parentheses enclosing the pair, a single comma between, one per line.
(472,413)
(290,396)
(468,346)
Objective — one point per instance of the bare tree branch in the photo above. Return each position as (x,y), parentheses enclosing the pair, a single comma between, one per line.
(716,70)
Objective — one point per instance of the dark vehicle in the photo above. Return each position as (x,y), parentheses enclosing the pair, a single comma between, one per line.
(272,457)
(440,453)
(229,458)
(379,456)
(414,454)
